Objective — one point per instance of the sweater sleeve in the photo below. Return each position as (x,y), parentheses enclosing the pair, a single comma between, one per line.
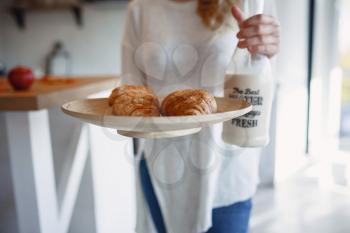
(131,74)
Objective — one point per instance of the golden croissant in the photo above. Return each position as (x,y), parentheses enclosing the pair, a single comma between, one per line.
(130,100)
(188,102)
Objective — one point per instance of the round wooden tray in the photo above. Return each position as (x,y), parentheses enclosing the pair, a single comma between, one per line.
(98,112)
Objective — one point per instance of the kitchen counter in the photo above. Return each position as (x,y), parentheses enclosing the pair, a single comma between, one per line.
(52,92)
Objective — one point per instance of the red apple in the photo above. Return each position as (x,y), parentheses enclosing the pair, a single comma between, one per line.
(21,78)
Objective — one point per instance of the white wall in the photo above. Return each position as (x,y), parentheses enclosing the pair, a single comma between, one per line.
(2,55)
(327,96)
(7,210)
(292,87)
(95,47)
(1,44)
(8,222)
(326,83)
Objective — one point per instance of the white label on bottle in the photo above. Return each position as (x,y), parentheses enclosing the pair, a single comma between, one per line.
(252,129)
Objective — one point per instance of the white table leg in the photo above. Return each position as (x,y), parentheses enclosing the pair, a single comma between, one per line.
(29,146)
(32,171)
(32,168)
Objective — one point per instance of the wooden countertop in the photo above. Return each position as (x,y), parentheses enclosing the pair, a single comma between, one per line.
(52,92)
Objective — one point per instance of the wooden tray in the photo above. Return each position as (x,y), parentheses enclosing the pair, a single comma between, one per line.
(98,112)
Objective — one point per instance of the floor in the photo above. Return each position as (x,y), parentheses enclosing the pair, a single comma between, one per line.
(298,205)
(301,206)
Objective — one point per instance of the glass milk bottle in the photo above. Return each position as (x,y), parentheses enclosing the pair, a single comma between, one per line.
(249,78)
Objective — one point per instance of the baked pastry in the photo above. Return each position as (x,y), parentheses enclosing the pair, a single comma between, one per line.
(129,100)
(188,102)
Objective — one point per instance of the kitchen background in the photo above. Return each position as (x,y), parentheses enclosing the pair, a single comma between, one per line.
(95,50)
(305,165)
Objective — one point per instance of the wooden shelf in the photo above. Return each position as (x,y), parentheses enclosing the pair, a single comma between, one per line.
(19,11)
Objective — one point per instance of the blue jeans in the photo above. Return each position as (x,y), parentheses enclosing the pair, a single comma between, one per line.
(229,219)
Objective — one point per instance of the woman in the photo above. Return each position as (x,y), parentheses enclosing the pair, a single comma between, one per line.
(192,184)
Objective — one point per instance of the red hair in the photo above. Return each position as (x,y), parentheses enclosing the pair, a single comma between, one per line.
(213,12)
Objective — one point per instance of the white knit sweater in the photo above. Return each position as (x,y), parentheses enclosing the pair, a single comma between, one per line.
(167,47)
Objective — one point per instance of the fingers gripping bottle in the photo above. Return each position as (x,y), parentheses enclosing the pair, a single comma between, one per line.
(249,78)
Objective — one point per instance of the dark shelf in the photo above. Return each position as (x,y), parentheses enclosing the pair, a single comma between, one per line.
(19,11)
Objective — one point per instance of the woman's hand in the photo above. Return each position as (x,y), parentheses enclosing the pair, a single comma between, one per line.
(259,34)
